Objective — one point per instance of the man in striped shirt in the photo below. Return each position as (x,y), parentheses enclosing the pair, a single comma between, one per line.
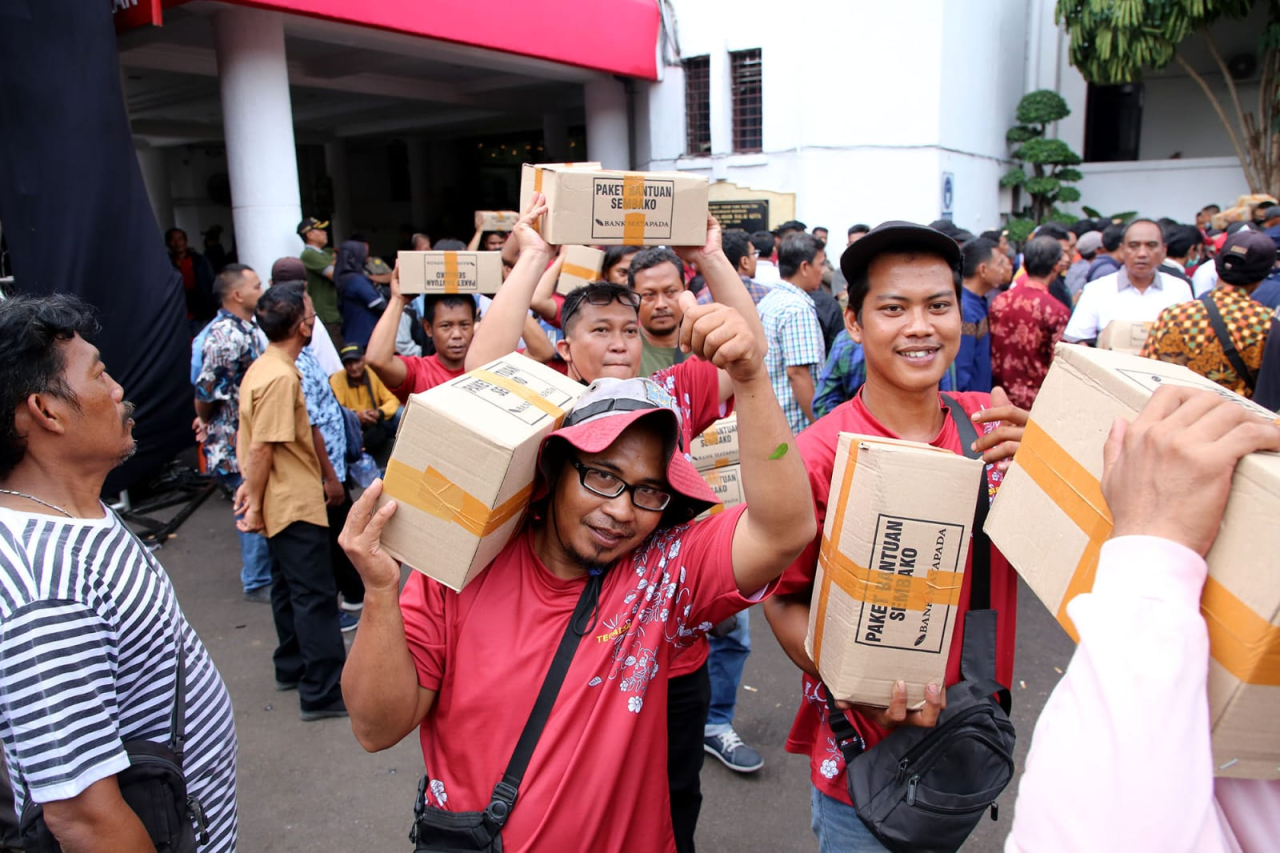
(89,623)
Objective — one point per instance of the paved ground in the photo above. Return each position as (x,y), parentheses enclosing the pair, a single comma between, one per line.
(310,787)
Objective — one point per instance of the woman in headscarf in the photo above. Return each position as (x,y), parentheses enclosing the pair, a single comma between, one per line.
(360,302)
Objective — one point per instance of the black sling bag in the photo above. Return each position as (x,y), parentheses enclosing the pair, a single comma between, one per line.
(153,786)
(438,831)
(1228,343)
(924,790)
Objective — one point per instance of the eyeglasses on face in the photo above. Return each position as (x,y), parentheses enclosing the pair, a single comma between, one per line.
(609,485)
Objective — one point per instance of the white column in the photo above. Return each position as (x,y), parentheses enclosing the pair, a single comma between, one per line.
(258,119)
(606,108)
(335,163)
(155,175)
(419,179)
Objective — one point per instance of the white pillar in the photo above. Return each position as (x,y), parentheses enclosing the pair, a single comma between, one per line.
(419,194)
(606,108)
(155,175)
(257,116)
(335,163)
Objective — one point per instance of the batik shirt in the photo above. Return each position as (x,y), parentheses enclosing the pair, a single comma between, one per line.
(1183,335)
(1026,323)
(231,344)
(324,412)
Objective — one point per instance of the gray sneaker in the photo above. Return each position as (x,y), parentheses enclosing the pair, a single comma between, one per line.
(732,752)
(259,595)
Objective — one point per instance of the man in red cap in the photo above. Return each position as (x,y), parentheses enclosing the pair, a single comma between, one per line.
(607,562)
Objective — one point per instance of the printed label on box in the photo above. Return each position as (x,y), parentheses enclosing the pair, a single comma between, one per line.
(1151,381)
(510,389)
(651,201)
(906,548)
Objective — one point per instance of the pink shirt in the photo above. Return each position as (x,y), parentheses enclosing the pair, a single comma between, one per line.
(1120,759)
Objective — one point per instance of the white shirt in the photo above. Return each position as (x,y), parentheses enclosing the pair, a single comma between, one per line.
(1205,278)
(1112,297)
(766,273)
(322,348)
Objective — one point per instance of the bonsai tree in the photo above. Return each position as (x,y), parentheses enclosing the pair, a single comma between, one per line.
(1051,163)
(1114,41)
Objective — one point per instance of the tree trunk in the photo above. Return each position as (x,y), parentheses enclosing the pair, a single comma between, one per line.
(1250,174)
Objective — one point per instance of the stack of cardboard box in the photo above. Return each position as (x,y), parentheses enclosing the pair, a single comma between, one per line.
(715,455)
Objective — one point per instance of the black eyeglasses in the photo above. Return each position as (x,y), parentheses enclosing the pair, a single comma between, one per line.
(609,485)
(601,298)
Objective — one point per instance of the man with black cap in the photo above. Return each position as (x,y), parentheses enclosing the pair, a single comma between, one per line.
(319,260)
(1222,334)
(360,390)
(608,563)
(904,309)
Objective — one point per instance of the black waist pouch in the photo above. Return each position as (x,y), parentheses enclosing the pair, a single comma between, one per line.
(439,831)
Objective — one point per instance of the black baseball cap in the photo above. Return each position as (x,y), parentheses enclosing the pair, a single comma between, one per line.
(1246,258)
(892,236)
(310,224)
(351,352)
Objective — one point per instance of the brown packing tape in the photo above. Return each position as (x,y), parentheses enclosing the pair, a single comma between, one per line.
(437,495)
(585,273)
(451,275)
(633,224)
(711,436)
(722,463)
(1244,643)
(523,392)
(827,579)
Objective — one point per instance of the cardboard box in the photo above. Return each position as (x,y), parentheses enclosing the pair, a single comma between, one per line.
(891,567)
(1124,336)
(462,469)
(1050,519)
(601,207)
(498,220)
(531,177)
(726,482)
(450,272)
(582,265)
(717,446)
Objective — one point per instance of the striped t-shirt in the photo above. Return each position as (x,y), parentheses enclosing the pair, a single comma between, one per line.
(88,648)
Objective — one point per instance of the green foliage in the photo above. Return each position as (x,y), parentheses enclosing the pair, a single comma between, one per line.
(1021,133)
(1043,106)
(1063,218)
(1043,186)
(1048,152)
(1015,177)
(1113,41)
(1020,230)
(1070,175)
(1069,195)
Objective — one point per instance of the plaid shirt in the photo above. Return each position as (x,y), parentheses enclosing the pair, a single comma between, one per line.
(846,371)
(795,339)
(757,291)
(1183,335)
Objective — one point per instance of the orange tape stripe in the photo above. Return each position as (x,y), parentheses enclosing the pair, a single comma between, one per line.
(1244,643)
(537,188)
(633,229)
(585,273)
(842,503)
(887,589)
(711,436)
(633,191)
(437,495)
(524,392)
(451,274)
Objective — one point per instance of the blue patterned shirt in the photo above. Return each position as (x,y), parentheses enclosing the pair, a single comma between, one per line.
(230,345)
(324,411)
(757,291)
(846,371)
(795,339)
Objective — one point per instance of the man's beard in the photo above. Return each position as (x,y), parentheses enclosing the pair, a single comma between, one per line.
(129,409)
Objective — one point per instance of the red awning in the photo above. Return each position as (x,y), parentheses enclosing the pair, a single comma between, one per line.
(618,36)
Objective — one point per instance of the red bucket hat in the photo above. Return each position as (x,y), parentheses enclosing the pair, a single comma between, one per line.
(604,411)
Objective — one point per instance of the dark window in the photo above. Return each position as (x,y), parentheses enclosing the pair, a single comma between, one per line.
(697,105)
(748,105)
(1113,123)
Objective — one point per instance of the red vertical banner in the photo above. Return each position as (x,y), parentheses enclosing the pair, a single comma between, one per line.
(136,13)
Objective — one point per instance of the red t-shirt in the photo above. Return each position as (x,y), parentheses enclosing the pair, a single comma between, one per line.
(422,373)
(695,385)
(598,777)
(810,733)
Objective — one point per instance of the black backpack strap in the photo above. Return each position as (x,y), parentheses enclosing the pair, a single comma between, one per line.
(1228,343)
(178,722)
(848,740)
(584,616)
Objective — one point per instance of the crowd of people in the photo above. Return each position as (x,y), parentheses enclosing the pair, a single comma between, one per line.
(298,389)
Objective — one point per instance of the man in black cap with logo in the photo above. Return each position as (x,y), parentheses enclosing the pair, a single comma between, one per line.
(318,259)
(1222,334)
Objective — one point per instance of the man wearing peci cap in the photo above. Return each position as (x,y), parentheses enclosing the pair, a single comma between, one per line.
(1190,333)
(608,541)
(318,259)
(904,309)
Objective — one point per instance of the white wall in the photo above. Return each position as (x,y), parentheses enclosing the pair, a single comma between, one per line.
(865,105)
(1156,188)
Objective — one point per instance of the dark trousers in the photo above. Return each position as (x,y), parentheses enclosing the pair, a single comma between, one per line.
(344,574)
(688,698)
(304,602)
